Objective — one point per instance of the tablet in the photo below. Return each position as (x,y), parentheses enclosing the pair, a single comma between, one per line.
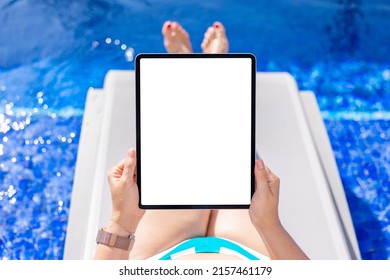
(195,125)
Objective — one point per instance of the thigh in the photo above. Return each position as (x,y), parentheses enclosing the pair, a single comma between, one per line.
(236,226)
(162,229)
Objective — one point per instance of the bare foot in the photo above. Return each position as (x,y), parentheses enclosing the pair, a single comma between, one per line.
(176,39)
(215,40)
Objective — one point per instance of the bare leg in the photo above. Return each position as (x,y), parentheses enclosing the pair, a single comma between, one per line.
(215,40)
(162,229)
(236,226)
(176,39)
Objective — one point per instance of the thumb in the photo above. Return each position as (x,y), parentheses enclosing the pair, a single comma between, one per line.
(129,165)
(261,176)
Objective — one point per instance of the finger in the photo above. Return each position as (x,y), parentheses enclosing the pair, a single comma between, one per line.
(261,176)
(129,166)
(115,173)
(273,181)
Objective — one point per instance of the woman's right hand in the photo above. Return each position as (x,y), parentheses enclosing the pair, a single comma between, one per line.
(124,193)
(264,207)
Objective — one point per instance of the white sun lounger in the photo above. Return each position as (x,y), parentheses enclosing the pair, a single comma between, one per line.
(291,138)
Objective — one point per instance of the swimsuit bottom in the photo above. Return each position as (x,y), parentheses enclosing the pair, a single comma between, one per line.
(209,244)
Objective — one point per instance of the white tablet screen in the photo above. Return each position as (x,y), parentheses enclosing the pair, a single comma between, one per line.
(195,131)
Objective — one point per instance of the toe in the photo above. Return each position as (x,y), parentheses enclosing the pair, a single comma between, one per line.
(210,31)
(166,26)
(218,25)
(209,35)
(167,29)
(176,29)
(219,29)
(175,25)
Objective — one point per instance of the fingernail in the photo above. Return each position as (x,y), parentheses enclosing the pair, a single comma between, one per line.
(131,153)
(260,164)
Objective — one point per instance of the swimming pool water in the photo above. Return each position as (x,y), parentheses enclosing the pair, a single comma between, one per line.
(52,51)
(37,174)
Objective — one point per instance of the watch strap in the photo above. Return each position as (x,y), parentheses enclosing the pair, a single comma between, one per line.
(116,241)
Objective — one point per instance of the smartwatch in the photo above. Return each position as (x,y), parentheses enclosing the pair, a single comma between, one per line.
(116,241)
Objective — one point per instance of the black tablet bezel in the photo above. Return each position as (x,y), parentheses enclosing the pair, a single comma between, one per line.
(138,125)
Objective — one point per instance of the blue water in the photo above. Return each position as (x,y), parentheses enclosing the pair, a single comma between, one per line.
(52,51)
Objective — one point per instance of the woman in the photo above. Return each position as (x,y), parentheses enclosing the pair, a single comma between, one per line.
(196,234)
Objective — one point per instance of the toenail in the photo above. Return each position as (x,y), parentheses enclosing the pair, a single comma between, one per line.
(169,25)
(216,25)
